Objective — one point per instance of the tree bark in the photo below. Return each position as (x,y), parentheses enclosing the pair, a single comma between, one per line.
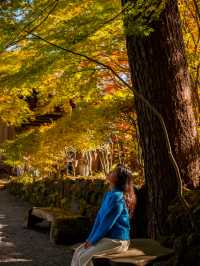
(159,71)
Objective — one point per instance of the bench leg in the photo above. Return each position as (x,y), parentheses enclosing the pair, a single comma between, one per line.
(32,219)
(53,233)
(102,262)
(106,262)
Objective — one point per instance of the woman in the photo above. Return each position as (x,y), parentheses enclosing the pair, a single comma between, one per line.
(111,230)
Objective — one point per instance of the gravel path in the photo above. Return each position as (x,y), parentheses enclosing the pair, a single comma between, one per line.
(24,247)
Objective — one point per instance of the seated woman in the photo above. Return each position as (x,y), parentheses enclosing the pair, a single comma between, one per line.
(111,230)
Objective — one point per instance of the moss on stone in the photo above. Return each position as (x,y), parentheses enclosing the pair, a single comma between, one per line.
(73,194)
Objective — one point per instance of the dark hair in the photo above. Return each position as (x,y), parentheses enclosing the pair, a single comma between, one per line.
(124,182)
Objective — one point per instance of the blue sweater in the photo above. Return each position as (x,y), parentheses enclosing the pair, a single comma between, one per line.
(112,219)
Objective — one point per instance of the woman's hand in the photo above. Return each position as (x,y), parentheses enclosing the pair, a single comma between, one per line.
(87,244)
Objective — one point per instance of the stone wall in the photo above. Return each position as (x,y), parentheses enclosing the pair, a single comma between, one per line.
(79,195)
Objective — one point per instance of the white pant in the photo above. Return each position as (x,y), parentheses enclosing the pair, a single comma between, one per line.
(83,256)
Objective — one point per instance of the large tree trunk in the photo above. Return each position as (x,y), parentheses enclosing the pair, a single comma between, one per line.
(160,73)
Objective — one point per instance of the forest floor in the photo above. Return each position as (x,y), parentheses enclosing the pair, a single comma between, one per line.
(23,247)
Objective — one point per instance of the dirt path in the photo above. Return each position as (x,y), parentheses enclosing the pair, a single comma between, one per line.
(23,247)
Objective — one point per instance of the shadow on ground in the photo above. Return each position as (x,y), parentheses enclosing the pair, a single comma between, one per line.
(24,247)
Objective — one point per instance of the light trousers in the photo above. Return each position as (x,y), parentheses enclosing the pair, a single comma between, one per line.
(83,256)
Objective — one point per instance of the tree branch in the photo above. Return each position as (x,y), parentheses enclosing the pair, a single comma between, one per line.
(11,43)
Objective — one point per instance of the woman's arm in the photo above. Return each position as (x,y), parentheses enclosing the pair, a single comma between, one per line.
(96,222)
(111,214)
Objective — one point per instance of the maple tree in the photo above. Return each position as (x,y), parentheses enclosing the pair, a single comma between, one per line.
(38,39)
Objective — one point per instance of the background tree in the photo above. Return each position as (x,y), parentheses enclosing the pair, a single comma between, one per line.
(190,18)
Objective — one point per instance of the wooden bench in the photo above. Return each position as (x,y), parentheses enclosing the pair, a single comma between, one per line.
(65,227)
(141,252)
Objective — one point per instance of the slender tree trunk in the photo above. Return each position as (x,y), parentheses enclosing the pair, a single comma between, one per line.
(159,71)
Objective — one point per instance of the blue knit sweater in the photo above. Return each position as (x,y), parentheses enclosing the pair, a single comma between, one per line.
(112,219)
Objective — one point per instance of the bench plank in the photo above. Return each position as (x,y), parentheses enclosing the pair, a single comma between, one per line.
(50,214)
(45,215)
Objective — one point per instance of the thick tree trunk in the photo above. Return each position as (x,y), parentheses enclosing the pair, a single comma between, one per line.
(159,72)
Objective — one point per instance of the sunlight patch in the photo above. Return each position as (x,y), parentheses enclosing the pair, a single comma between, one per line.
(14,260)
